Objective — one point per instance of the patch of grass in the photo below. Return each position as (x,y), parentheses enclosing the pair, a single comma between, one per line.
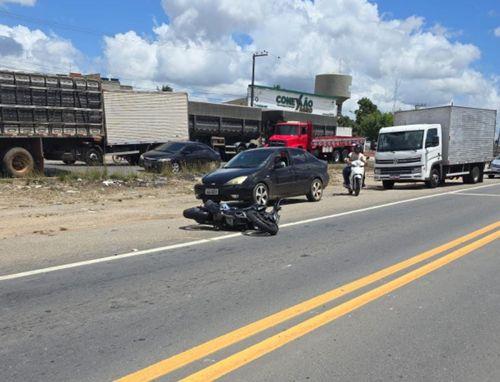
(124,176)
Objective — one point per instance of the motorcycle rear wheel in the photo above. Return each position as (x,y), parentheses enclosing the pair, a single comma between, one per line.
(263,224)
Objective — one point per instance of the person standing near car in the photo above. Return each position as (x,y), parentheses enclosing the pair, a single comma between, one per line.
(356,154)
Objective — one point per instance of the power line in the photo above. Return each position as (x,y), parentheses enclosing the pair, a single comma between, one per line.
(51,23)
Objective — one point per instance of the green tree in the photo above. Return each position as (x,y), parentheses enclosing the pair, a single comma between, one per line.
(166,88)
(365,107)
(370,124)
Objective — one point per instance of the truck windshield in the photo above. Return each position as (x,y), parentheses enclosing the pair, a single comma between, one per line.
(401,141)
(287,130)
(171,147)
(249,159)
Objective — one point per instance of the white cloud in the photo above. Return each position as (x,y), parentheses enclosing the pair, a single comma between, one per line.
(24,49)
(196,51)
(496,32)
(27,3)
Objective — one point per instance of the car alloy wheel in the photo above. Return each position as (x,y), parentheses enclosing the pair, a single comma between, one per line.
(176,168)
(317,189)
(260,194)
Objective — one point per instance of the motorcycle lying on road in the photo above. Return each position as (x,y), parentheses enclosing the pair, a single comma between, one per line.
(356,177)
(225,216)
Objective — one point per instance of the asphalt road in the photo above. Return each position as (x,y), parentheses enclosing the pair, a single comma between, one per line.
(431,318)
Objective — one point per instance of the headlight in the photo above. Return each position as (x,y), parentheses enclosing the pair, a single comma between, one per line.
(417,170)
(378,171)
(235,181)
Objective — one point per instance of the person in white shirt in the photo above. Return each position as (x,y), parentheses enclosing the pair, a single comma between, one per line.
(355,155)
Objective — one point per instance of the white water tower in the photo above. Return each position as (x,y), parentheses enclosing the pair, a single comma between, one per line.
(334,85)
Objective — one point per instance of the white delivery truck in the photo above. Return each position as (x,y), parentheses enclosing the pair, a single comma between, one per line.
(431,145)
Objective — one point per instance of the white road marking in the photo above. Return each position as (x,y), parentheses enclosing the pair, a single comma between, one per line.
(476,194)
(222,237)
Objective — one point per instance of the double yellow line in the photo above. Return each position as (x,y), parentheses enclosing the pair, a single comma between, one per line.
(274,342)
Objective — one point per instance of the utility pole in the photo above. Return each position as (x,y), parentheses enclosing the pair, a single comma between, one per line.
(256,54)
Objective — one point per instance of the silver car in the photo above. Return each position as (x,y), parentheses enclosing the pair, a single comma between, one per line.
(494,167)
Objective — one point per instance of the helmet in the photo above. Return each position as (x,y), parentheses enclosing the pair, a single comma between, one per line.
(358,148)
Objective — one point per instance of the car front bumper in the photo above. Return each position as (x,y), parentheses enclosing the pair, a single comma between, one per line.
(218,193)
(495,170)
(153,165)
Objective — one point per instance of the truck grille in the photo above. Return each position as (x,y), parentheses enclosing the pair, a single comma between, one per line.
(397,170)
(396,161)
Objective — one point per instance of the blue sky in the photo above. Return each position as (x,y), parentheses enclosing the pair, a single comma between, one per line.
(206,48)
(92,18)
(468,21)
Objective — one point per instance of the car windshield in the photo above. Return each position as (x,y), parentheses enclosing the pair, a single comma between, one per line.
(249,159)
(400,141)
(287,130)
(171,147)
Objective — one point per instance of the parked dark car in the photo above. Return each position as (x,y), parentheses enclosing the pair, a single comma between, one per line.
(260,175)
(178,154)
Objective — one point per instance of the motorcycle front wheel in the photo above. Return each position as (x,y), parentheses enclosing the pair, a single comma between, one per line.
(357,186)
(262,224)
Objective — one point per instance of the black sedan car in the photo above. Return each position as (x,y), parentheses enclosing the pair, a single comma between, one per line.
(260,175)
(175,155)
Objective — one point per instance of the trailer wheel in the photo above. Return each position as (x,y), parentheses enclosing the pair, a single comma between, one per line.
(18,162)
(94,157)
(345,154)
(336,156)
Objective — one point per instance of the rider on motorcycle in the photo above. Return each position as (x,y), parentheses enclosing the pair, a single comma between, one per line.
(356,154)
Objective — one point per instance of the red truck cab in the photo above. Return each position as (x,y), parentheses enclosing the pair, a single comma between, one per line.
(301,135)
(292,134)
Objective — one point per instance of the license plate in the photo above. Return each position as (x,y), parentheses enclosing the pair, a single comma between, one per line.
(211,191)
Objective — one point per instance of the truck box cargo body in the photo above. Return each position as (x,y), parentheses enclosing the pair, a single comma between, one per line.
(468,133)
(33,105)
(227,128)
(145,117)
(431,145)
(70,118)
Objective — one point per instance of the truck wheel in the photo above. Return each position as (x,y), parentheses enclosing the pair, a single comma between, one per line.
(473,176)
(133,160)
(434,179)
(94,157)
(336,156)
(315,191)
(388,184)
(345,154)
(18,162)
